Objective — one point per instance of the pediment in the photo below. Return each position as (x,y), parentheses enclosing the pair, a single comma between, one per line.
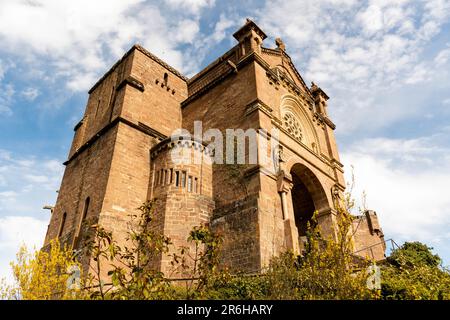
(282,64)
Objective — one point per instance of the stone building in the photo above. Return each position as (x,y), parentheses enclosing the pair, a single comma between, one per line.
(121,155)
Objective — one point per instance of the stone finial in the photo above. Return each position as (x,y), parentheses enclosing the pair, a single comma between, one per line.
(247,28)
(280,44)
(316,90)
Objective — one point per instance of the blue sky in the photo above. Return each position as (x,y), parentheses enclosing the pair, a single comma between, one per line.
(385,65)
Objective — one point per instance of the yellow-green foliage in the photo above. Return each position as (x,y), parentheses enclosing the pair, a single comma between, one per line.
(41,275)
(412,272)
(325,270)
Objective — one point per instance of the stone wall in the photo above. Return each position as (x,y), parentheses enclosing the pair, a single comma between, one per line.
(368,237)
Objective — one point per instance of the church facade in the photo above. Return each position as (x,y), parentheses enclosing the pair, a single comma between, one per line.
(122,155)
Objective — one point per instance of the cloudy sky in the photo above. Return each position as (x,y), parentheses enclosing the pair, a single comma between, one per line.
(384,63)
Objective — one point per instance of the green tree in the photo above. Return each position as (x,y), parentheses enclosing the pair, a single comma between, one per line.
(413,272)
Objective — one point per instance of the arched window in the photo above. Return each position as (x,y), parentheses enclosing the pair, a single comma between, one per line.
(61,225)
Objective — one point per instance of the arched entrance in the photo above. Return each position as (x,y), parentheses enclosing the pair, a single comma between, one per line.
(308,196)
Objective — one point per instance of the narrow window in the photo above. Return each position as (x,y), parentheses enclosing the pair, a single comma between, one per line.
(160,177)
(183,180)
(166,79)
(177,178)
(171,176)
(157,178)
(80,225)
(61,225)
(196,185)
(164,177)
(189,184)
(85,209)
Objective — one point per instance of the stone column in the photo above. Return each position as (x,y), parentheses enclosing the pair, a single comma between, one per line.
(290,229)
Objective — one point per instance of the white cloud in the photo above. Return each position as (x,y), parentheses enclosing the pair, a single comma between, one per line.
(221,28)
(36,178)
(193,6)
(362,52)
(2,70)
(187,30)
(442,57)
(8,194)
(77,41)
(6,98)
(30,94)
(15,231)
(26,185)
(406,182)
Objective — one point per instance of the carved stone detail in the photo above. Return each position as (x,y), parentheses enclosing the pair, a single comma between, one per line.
(292,125)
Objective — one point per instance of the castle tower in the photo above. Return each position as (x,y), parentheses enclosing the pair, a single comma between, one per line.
(134,106)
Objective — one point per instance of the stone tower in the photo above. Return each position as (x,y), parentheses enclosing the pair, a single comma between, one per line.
(120,155)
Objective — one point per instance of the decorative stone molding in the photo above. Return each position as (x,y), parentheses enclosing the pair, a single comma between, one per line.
(258,105)
(329,123)
(336,192)
(284,182)
(141,127)
(182,142)
(292,125)
(133,82)
(280,154)
(79,124)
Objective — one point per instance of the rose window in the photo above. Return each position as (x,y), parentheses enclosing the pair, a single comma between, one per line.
(292,125)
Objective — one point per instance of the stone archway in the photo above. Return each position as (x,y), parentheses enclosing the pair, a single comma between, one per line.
(308,196)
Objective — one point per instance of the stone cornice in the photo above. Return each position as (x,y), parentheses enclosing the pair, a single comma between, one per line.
(324,119)
(330,123)
(181,142)
(78,125)
(227,55)
(159,61)
(140,127)
(274,52)
(133,82)
(258,105)
(252,57)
